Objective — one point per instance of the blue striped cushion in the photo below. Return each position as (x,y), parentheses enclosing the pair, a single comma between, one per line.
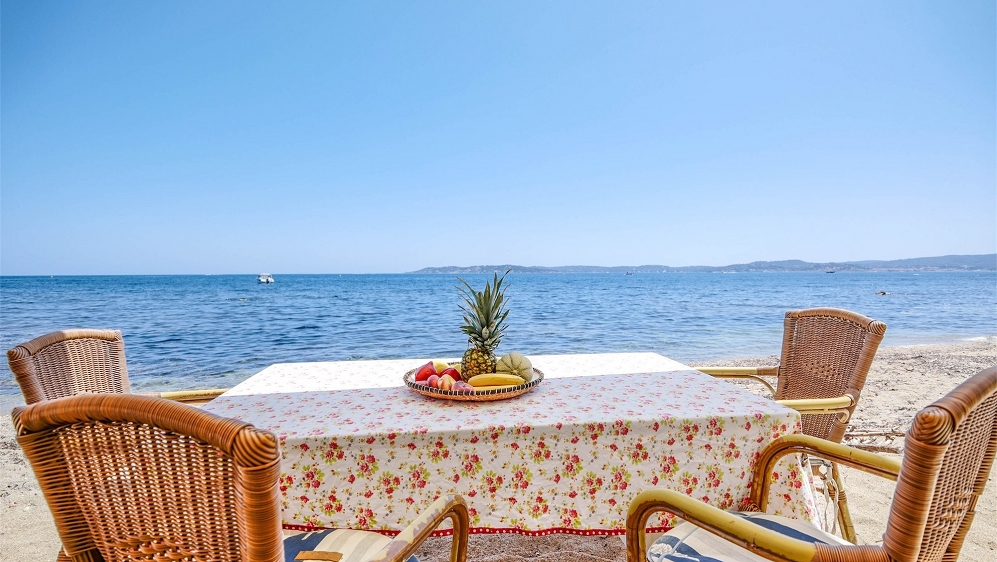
(688,543)
(355,546)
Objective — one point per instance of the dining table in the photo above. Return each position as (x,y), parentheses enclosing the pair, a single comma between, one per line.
(363,451)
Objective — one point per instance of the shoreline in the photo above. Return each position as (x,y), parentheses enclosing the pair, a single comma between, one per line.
(888,402)
(11,400)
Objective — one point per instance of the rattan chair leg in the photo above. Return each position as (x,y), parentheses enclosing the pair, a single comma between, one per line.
(844,516)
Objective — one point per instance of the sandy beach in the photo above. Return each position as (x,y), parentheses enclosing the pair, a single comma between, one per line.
(902,380)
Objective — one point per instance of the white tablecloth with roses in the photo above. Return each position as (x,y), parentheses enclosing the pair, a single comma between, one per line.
(361,451)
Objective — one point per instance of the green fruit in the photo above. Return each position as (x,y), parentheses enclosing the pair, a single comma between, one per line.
(517,364)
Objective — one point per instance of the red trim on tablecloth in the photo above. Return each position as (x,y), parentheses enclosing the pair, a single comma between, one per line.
(499,531)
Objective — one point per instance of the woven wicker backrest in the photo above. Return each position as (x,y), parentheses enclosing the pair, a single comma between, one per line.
(68,363)
(826,353)
(948,453)
(138,478)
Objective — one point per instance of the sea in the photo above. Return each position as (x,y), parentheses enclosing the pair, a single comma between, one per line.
(213,331)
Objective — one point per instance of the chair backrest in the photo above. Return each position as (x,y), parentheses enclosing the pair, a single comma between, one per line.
(138,478)
(948,453)
(70,362)
(826,353)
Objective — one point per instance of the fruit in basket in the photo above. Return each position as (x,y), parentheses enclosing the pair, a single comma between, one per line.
(484,317)
(446,382)
(462,386)
(454,373)
(494,379)
(424,372)
(516,364)
(440,365)
(433,381)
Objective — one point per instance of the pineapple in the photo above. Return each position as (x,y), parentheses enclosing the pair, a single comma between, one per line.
(484,315)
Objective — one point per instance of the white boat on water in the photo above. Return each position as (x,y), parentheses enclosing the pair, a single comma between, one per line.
(265,278)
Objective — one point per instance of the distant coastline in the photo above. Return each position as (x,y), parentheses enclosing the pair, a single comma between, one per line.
(980,262)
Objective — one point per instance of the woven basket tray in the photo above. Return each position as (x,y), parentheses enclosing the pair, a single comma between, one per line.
(473,395)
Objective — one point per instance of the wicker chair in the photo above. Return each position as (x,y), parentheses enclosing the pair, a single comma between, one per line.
(138,478)
(826,355)
(70,362)
(949,451)
(80,361)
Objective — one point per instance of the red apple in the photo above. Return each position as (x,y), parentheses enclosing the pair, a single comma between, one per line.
(454,373)
(433,381)
(425,372)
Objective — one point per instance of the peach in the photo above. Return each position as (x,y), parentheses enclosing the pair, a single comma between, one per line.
(446,382)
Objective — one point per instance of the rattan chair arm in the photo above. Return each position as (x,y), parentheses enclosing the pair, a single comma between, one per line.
(187,396)
(740,371)
(753,373)
(829,450)
(841,404)
(404,545)
(729,526)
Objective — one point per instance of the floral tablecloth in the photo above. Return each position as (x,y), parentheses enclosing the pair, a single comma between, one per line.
(566,457)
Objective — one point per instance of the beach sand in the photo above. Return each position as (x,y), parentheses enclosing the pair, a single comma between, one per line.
(902,381)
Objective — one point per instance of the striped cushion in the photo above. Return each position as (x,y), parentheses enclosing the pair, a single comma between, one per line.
(688,543)
(355,546)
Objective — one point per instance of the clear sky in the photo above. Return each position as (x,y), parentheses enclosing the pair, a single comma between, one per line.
(299,137)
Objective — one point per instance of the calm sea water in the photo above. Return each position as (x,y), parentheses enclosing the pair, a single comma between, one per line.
(214,331)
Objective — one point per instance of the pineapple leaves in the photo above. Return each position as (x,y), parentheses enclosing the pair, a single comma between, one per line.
(484,312)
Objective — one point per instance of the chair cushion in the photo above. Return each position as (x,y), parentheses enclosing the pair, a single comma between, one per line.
(689,543)
(355,546)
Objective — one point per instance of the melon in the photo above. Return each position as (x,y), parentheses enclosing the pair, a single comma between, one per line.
(516,364)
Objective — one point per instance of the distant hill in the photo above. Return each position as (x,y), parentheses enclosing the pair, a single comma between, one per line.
(982,262)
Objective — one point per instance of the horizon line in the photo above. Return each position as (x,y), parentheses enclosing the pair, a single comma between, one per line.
(417,272)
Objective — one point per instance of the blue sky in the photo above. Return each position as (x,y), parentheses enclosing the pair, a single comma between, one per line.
(233,137)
